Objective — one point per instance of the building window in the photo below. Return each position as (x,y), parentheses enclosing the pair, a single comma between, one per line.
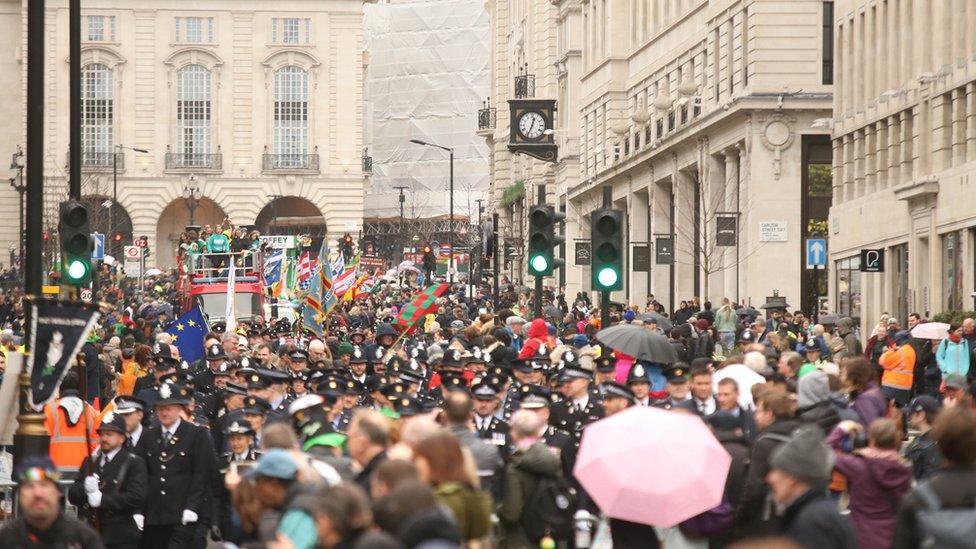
(193,113)
(97,114)
(952,270)
(291,115)
(194,30)
(101,28)
(848,273)
(291,30)
(828,43)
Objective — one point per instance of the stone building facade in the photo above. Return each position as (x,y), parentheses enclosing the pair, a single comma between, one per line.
(707,118)
(256,105)
(904,157)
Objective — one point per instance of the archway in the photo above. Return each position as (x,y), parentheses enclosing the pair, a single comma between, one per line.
(292,215)
(173,221)
(112,220)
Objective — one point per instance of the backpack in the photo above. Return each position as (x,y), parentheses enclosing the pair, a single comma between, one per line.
(549,509)
(944,528)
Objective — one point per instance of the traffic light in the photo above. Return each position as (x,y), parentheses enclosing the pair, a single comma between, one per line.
(74,228)
(345,246)
(607,268)
(543,239)
(143,242)
(117,237)
(429,261)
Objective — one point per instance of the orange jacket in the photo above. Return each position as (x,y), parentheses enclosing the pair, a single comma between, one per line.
(69,447)
(899,367)
(131,372)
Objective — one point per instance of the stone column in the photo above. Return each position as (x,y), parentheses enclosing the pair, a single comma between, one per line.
(732,200)
(637,228)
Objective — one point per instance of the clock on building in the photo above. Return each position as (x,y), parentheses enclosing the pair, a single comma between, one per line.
(532,131)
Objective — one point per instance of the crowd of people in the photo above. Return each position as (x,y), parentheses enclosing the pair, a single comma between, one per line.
(464,431)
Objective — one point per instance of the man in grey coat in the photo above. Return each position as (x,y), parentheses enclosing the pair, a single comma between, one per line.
(458,408)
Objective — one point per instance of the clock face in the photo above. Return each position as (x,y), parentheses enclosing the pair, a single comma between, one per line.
(531,125)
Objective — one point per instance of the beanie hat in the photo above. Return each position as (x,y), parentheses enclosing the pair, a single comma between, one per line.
(580,340)
(629,315)
(805,456)
(812,388)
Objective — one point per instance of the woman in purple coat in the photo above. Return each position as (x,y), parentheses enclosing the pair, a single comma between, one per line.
(877,478)
(866,397)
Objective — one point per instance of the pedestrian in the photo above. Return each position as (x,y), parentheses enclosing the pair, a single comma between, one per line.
(367,441)
(926,516)
(922,450)
(72,425)
(866,397)
(898,362)
(798,476)
(954,354)
(41,522)
(876,478)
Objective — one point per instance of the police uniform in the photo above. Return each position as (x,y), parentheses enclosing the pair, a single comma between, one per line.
(490,429)
(122,487)
(205,376)
(228,529)
(180,464)
(679,373)
(565,414)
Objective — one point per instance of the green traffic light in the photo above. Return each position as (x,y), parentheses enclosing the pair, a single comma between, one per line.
(539,263)
(607,277)
(76,270)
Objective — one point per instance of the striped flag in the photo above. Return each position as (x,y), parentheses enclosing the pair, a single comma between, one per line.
(320,299)
(304,272)
(421,305)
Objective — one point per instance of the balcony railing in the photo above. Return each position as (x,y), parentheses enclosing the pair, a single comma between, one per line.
(486,118)
(100,160)
(290,162)
(524,86)
(367,162)
(194,161)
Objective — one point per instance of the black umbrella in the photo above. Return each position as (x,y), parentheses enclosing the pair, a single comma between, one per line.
(657,318)
(747,311)
(638,342)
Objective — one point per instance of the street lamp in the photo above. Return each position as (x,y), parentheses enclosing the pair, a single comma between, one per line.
(192,194)
(17,163)
(450,261)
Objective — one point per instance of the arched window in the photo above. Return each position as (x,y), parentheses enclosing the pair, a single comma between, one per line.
(193,116)
(97,115)
(291,118)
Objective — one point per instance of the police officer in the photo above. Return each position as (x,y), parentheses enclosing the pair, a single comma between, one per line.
(164,363)
(617,397)
(639,384)
(358,365)
(578,408)
(132,409)
(112,486)
(255,411)
(180,460)
(216,357)
(678,386)
(486,425)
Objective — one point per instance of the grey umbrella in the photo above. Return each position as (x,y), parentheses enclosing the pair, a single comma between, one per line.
(638,342)
(828,319)
(657,318)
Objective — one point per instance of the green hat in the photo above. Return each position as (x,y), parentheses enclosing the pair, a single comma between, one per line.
(345,348)
(333,439)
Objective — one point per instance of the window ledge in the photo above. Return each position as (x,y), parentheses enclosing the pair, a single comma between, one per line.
(915,190)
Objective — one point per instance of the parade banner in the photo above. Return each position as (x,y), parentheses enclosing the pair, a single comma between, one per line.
(320,298)
(58,330)
(230,318)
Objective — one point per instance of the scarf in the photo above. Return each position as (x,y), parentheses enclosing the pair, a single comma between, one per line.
(954,337)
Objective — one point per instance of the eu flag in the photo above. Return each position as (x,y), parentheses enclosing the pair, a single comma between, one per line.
(188,332)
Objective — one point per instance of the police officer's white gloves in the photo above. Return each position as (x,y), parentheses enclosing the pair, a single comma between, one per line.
(189,517)
(140,521)
(91,484)
(95,499)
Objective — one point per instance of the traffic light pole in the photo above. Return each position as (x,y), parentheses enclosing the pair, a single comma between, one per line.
(605,296)
(497,253)
(537,304)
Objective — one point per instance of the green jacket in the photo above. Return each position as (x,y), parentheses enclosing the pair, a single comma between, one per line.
(526,467)
(472,508)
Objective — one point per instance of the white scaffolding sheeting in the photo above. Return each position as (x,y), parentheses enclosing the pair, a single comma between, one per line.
(428,75)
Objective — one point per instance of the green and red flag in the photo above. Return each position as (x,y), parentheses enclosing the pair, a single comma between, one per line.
(421,305)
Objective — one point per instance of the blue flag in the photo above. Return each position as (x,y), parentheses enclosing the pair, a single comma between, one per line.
(188,332)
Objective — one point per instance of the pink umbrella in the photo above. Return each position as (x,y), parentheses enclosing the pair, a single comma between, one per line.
(652,466)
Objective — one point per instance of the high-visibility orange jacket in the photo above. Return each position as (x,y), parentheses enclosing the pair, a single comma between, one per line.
(899,367)
(66,420)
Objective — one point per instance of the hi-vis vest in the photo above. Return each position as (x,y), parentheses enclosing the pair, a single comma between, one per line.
(66,422)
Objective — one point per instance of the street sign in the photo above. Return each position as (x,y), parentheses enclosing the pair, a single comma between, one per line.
(99,252)
(641,259)
(132,253)
(86,294)
(278,241)
(664,251)
(584,252)
(872,261)
(772,231)
(371,263)
(726,231)
(133,261)
(816,252)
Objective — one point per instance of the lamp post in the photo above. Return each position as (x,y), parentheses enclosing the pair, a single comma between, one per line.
(115,183)
(450,261)
(192,194)
(17,163)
